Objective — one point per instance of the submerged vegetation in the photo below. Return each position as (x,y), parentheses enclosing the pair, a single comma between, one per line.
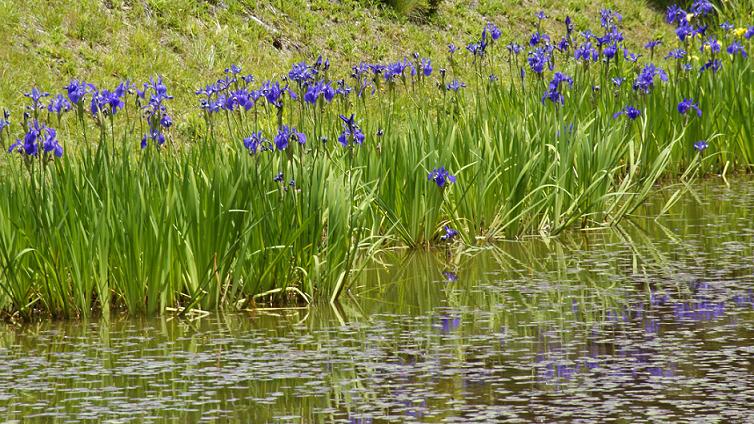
(285,187)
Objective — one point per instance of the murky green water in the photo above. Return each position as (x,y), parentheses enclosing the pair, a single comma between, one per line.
(650,322)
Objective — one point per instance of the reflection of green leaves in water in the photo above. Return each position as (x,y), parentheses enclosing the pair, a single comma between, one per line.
(660,311)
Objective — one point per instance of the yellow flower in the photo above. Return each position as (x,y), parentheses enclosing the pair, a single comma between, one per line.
(689,16)
(694,57)
(739,32)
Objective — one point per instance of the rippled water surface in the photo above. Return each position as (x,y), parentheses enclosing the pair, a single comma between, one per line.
(652,321)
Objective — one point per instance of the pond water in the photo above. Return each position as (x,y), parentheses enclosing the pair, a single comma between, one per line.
(651,321)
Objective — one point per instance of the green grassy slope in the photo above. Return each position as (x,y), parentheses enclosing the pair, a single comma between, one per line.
(190,42)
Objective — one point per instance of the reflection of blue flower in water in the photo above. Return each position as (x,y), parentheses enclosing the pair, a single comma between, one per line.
(554,372)
(415,410)
(652,326)
(449,323)
(699,311)
(742,300)
(661,372)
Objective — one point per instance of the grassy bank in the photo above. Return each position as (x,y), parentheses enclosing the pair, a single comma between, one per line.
(155,196)
(191,41)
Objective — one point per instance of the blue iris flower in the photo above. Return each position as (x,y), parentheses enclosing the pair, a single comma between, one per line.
(355,135)
(585,52)
(166,121)
(127,87)
(50,143)
(454,85)
(631,57)
(243,98)
(737,48)
(302,73)
(450,234)
(687,105)
(441,177)
(426,67)
(629,111)
(5,121)
(59,104)
(274,93)
(256,142)
(537,38)
(652,44)
(514,48)
(702,8)
(343,89)
(38,137)
(233,69)
(449,324)
(156,135)
(477,49)
(677,54)
(675,15)
(645,81)
(158,87)
(286,134)
(349,121)
(106,102)
(685,30)
(397,70)
(319,89)
(77,90)
(553,92)
(36,97)
(208,91)
(351,132)
(321,64)
(615,35)
(610,51)
(701,145)
(563,44)
(494,31)
(712,44)
(714,65)
(608,18)
(538,59)
(155,110)
(560,78)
